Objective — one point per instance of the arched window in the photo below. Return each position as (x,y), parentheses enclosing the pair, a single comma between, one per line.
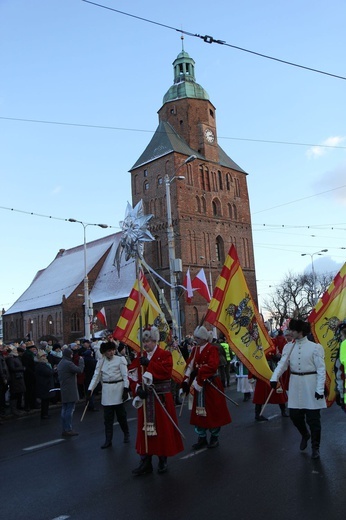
(189,178)
(159,181)
(230,212)
(75,322)
(216,205)
(235,212)
(228,182)
(207,179)
(237,188)
(204,205)
(201,178)
(198,205)
(220,249)
(146,185)
(219,174)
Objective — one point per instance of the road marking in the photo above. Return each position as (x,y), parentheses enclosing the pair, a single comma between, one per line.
(62,517)
(193,454)
(43,445)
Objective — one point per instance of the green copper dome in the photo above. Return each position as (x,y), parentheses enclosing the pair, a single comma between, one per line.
(185,85)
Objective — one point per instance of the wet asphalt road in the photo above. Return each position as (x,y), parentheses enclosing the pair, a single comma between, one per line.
(256,472)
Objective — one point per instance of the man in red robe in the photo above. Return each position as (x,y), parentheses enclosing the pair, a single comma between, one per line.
(151,383)
(209,410)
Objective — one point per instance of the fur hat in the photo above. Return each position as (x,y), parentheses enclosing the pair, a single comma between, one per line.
(151,332)
(106,346)
(203,333)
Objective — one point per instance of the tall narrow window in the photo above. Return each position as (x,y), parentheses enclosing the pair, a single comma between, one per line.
(220,180)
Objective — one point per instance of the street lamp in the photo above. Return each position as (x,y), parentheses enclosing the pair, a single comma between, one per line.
(318,253)
(173,268)
(87,303)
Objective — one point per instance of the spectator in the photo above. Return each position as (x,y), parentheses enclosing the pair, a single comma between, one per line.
(4,379)
(29,361)
(44,382)
(17,383)
(67,371)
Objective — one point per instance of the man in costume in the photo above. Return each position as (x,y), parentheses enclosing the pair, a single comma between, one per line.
(157,430)
(209,410)
(111,370)
(307,379)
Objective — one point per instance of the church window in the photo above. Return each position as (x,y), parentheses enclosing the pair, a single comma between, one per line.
(146,185)
(198,205)
(204,205)
(145,173)
(220,179)
(211,112)
(216,205)
(159,181)
(237,188)
(220,249)
(75,322)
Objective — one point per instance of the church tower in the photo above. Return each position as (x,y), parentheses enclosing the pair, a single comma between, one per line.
(208,193)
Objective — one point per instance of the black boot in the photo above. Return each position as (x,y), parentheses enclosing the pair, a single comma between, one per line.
(258,416)
(247,397)
(283,410)
(126,437)
(107,443)
(144,467)
(304,441)
(315,444)
(162,467)
(201,443)
(214,442)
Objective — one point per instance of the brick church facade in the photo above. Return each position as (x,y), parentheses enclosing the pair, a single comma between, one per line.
(210,207)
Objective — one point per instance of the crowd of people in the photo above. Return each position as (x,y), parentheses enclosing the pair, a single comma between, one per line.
(32,377)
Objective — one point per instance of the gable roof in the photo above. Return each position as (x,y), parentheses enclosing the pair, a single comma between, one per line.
(166,140)
(66,272)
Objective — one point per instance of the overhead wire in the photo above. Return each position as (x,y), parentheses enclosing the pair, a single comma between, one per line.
(211,39)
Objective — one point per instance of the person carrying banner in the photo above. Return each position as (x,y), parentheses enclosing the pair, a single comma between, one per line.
(157,430)
(111,370)
(209,410)
(307,379)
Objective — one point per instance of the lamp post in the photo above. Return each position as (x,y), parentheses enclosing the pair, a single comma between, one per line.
(87,304)
(171,248)
(318,253)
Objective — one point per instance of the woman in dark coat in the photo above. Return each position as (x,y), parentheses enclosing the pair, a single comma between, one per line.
(44,382)
(17,384)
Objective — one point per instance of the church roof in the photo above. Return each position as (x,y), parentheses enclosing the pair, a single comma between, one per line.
(166,140)
(185,85)
(66,272)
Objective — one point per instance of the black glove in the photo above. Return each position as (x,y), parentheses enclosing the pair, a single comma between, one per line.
(193,374)
(185,387)
(319,396)
(88,395)
(142,392)
(273,384)
(338,399)
(125,395)
(144,361)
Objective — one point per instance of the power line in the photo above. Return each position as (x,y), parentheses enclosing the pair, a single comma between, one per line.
(49,216)
(299,200)
(122,129)
(210,39)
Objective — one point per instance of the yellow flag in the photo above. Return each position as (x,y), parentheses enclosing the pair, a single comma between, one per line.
(233,311)
(142,302)
(324,319)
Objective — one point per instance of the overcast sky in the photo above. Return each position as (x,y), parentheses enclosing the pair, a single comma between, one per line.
(79,94)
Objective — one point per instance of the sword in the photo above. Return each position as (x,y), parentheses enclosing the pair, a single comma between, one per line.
(164,409)
(222,393)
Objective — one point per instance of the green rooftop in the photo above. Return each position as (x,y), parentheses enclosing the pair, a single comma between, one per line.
(185,85)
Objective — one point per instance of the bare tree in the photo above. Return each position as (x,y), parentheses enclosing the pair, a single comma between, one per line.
(296,296)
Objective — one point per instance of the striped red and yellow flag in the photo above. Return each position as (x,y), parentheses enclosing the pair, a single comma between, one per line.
(142,303)
(324,319)
(233,311)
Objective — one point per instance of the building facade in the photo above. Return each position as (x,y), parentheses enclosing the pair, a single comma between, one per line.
(210,206)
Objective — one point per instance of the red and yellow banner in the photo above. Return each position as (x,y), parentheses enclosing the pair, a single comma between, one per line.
(233,311)
(142,305)
(324,319)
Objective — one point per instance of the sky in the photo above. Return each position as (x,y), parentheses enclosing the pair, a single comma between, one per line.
(79,93)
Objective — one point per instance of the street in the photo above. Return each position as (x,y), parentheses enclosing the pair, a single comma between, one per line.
(256,472)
